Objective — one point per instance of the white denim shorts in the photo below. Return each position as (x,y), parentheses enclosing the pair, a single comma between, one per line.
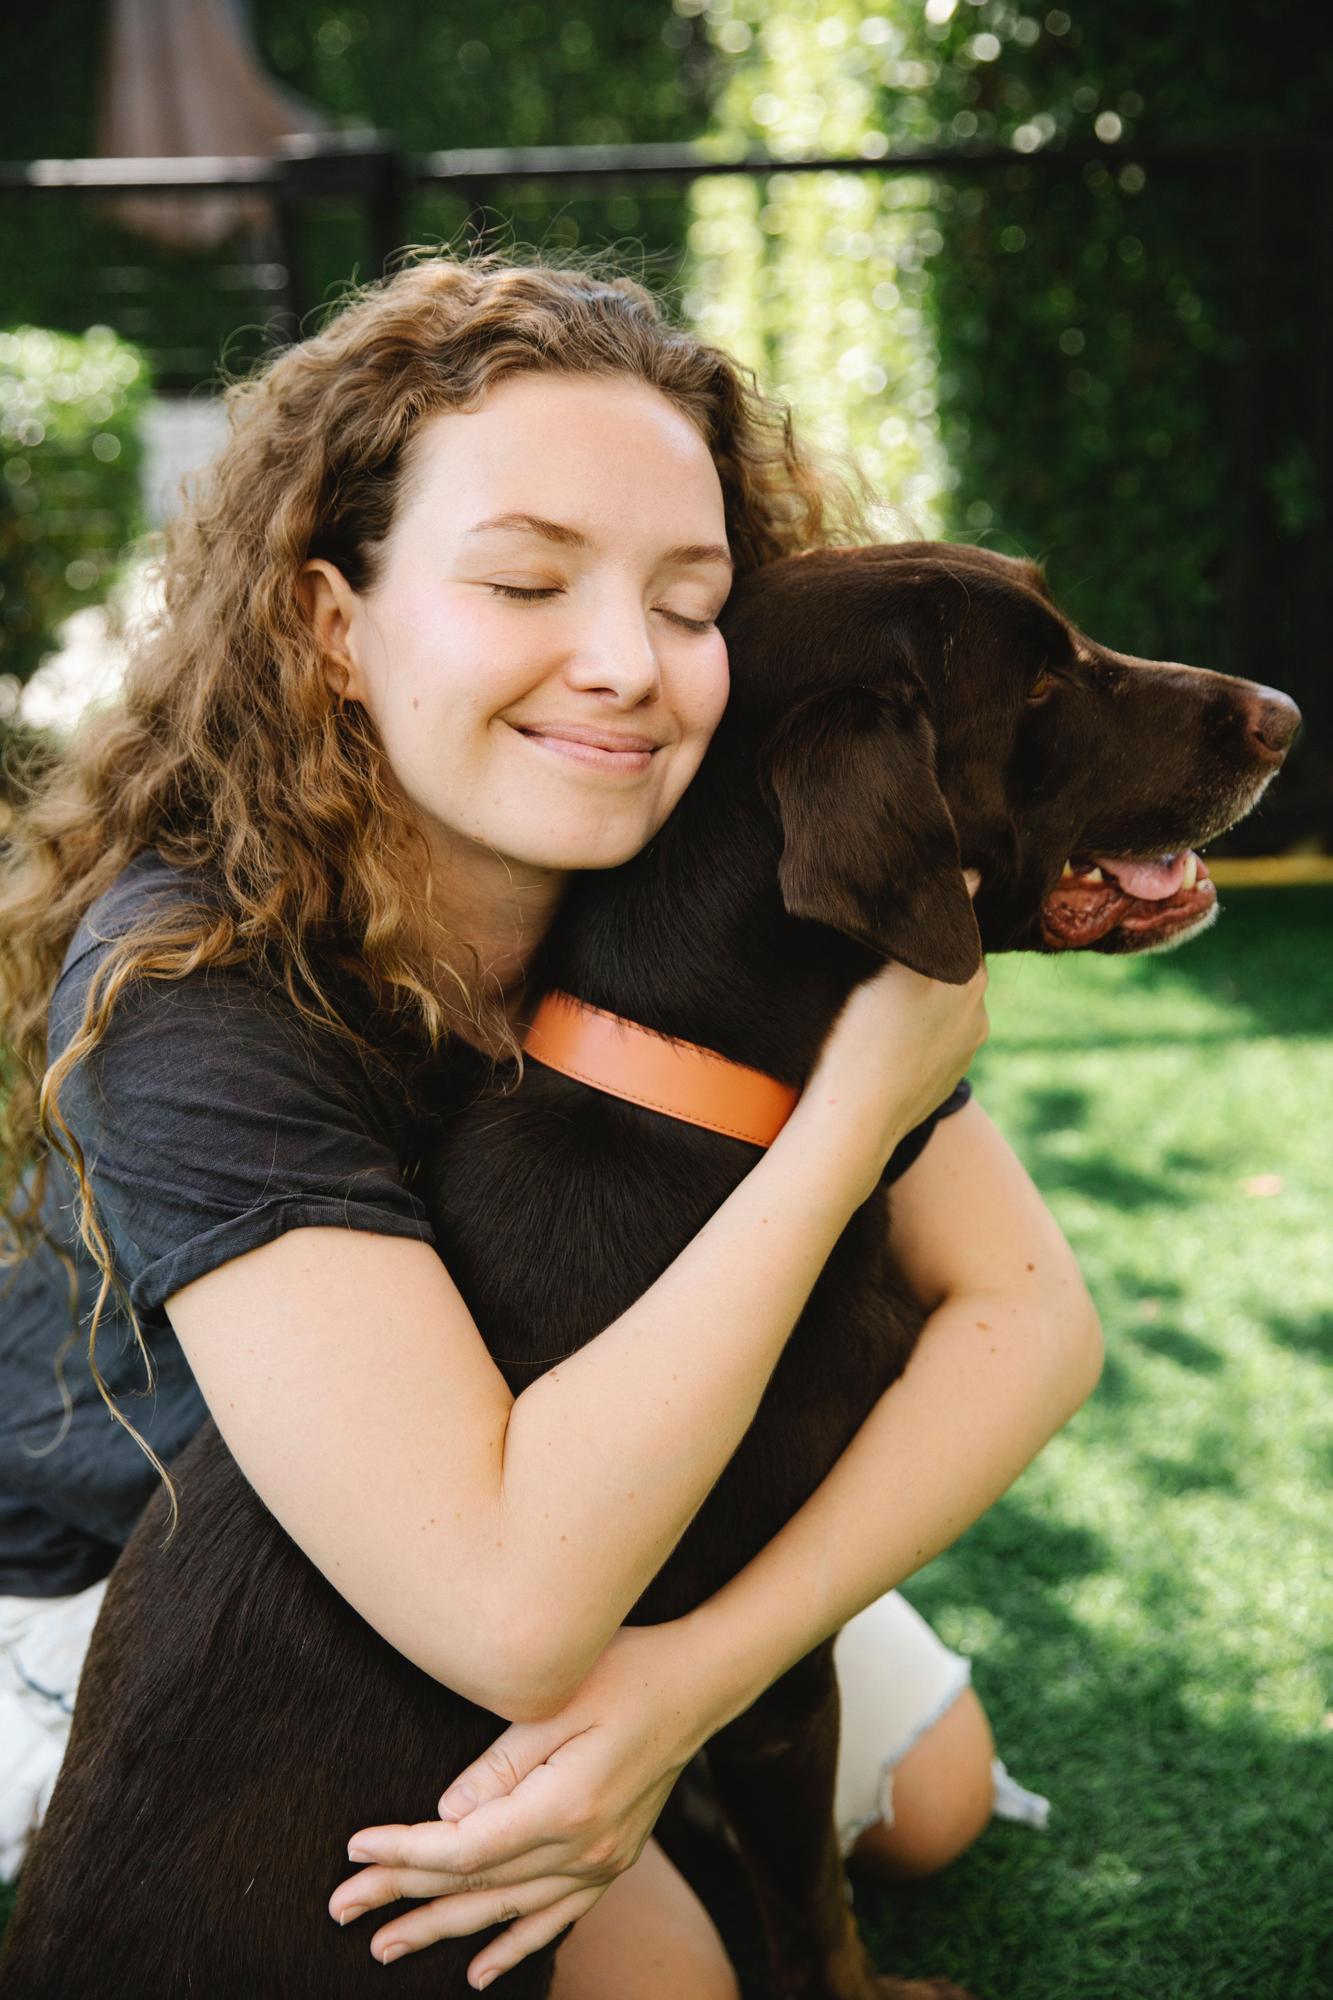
(895,1677)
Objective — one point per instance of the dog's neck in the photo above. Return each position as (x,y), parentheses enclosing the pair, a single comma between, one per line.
(691,937)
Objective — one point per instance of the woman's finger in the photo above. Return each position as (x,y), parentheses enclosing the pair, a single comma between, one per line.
(459,1916)
(494,1832)
(374,1887)
(529,1934)
(497,1846)
(549,1809)
(500,1769)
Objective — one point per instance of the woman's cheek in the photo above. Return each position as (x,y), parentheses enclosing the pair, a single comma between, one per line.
(715,682)
(707,706)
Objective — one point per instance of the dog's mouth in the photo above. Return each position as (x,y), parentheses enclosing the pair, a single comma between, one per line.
(1145,901)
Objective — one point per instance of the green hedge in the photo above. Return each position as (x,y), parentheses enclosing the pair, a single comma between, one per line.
(1132,352)
(70,457)
(574,72)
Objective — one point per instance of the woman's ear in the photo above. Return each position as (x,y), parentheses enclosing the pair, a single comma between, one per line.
(870,847)
(330,604)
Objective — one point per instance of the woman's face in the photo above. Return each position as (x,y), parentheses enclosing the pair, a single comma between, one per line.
(539,653)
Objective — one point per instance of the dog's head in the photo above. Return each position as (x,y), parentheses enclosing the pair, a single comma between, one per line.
(924,707)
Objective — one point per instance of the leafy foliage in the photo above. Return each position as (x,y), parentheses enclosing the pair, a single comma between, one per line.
(1118,363)
(1120,342)
(573,72)
(819,280)
(69,480)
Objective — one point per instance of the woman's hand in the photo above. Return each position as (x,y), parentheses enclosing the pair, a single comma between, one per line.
(544,1821)
(895,1052)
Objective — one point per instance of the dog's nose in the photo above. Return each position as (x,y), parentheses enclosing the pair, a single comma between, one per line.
(1272,719)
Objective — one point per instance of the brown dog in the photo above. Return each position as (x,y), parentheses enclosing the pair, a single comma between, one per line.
(896,713)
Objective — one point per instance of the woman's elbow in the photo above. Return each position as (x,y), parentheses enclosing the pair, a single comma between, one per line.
(530,1672)
(1082,1350)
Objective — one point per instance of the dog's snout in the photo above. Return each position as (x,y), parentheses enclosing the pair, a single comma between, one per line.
(1272,719)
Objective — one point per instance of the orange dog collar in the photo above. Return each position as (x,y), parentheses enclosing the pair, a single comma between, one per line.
(679,1079)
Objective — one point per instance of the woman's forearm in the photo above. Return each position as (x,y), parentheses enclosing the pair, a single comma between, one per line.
(992,1377)
(606,1459)
(610,1454)
(990,1382)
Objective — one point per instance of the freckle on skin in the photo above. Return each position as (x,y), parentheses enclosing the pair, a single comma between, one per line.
(1031,1267)
(983,1328)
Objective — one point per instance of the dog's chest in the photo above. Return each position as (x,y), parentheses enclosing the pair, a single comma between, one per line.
(557,1209)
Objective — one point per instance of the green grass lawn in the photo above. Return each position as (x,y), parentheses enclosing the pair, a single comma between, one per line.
(1149,1609)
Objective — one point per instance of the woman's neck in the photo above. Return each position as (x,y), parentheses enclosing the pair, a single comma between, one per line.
(500,914)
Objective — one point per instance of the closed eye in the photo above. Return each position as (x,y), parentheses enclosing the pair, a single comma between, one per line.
(525,595)
(532,594)
(690,624)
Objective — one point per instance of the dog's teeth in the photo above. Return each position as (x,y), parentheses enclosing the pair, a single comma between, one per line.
(1094,875)
(1191,875)
(1068,869)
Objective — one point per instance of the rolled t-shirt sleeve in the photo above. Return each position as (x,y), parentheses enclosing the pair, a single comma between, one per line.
(213,1119)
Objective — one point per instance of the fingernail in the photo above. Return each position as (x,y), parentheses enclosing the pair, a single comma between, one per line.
(487,1977)
(350,1916)
(391,1952)
(359,1854)
(457,1804)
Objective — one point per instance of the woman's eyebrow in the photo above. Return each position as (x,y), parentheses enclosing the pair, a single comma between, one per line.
(570,538)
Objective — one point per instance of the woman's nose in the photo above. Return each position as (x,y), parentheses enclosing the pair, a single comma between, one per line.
(618,654)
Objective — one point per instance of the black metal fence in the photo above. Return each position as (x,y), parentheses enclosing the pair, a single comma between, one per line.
(370,182)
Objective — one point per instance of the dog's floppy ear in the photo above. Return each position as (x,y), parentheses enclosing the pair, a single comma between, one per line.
(870,847)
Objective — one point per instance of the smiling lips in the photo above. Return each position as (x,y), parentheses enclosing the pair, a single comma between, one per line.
(596,749)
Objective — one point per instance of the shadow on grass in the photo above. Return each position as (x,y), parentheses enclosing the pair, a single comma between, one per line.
(1208,1472)
(1182,1859)
(1185,1349)
(1312,1336)
(1046,1117)
(1267,954)
(1185,1854)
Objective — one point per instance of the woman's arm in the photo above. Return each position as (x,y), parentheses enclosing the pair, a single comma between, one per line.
(1012,1347)
(499,1543)
(556,1809)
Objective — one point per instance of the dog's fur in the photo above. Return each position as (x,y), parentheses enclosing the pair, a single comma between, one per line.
(896,713)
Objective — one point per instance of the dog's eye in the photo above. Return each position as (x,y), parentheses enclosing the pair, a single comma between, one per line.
(1043,687)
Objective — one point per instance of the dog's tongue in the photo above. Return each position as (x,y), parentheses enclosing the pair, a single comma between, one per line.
(1154,881)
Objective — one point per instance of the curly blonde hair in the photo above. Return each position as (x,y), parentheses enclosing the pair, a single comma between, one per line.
(226,750)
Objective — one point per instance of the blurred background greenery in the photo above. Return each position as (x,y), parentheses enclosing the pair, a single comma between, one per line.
(1094,327)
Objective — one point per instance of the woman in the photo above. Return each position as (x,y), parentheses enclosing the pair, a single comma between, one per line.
(438,632)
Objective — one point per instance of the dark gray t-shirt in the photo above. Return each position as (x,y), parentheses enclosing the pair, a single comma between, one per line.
(212,1119)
